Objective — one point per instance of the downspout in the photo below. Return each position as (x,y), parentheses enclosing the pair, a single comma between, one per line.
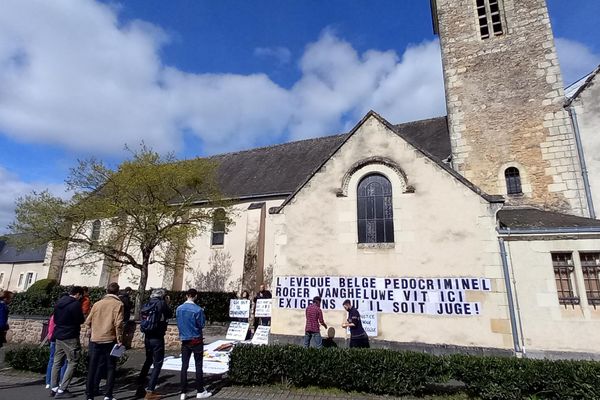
(509,294)
(584,171)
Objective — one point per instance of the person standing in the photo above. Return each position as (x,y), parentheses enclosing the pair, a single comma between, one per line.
(50,338)
(5,297)
(190,321)
(358,336)
(314,318)
(153,324)
(68,318)
(125,297)
(263,293)
(106,325)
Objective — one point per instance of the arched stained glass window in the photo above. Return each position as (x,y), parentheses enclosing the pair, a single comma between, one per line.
(513,181)
(375,210)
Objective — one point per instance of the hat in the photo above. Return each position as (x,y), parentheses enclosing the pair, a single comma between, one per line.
(158,293)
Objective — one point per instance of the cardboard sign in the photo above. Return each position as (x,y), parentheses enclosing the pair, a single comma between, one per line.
(237,331)
(261,335)
(441,296)
(263,308)
(239,308)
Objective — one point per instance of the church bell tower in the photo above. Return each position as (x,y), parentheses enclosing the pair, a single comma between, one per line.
(504,94)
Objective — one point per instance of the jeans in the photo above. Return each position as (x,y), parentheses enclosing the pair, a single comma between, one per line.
(51,363)
(71,349)
(187,349)
(308,336)
(361,342)
(101,352)
(155,355)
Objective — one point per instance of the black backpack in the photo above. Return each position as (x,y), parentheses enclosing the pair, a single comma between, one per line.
(150,317)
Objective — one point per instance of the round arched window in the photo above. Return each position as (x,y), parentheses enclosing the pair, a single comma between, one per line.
(375,210)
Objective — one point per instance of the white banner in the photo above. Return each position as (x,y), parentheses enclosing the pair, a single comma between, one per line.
(432,296)
(261,335)
(263,308)
(239,308)
(237,331)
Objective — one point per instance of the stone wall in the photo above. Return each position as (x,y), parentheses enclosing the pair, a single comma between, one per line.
(505,100)
(29,330)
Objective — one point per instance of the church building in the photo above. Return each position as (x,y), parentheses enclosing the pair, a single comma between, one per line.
(474,232)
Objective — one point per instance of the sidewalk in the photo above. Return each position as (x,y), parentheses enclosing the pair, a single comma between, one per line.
(30,386)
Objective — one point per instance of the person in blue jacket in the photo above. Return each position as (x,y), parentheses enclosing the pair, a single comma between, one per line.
(5,297)
(190,321)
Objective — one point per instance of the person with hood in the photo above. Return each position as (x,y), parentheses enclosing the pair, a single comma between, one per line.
(52,341)
(153,324)
(106,325)
(68,318)
(5,297)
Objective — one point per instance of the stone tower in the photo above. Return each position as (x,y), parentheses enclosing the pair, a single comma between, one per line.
(504,92)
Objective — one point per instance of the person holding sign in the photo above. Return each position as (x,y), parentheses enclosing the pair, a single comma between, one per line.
(263,293)
(314,318)
(358,336)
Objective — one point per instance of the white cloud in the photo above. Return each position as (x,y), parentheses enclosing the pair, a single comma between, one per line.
(72,75)
(282,54)
(11,188)
(576,59)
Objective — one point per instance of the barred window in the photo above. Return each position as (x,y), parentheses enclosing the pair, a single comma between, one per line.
(96,225)
(489,18)
(563,275)
(375,210)
(590,265)
(218,228)
(513,181)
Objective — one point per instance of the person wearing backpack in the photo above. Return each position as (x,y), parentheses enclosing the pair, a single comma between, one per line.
(153,324)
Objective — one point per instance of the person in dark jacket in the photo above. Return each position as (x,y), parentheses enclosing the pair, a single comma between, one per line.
(68,318)
(125,297)
(5,297)
(154,342)
(263,293)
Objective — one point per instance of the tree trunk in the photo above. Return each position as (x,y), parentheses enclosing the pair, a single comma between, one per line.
(142,287)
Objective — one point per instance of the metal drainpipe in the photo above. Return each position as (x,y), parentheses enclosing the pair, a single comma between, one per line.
(584,171)
(509,294)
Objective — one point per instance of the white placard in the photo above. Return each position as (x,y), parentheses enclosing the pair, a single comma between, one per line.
(369,323)
(263,308)
(433,296)
(237,331)
(239,308)
(261,335)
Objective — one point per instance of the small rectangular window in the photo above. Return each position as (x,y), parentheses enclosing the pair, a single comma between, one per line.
(563,275)
(489,17)
(1,278)
(28,280)
(20,280)
(590,265)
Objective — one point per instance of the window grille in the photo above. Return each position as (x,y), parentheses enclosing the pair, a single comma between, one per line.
(375,210)
(590,265)
(218,229)
(563,275)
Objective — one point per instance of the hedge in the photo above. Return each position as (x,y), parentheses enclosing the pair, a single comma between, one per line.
(35,359)
(389,372)
(41,300)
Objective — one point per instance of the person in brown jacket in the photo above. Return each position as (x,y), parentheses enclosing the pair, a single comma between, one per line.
(105,323)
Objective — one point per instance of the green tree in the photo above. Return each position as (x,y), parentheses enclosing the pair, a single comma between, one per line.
(139,215)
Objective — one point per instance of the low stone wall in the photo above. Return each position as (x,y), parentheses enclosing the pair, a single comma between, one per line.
(28,330)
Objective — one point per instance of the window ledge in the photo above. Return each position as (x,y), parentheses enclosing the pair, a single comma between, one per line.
(217,246)
(376,245)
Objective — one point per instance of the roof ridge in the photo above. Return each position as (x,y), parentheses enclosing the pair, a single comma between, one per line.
(421,120)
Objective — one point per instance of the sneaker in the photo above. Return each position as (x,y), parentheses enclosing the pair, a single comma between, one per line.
(65,394)
(47,386)
(53,391)
(182,396)
(203,395)
(108,398)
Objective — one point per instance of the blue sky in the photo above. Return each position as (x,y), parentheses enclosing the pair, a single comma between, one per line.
(81,78)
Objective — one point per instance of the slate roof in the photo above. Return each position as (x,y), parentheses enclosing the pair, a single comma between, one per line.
(9,254)
(533,218)
(574,90)
(279,170)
